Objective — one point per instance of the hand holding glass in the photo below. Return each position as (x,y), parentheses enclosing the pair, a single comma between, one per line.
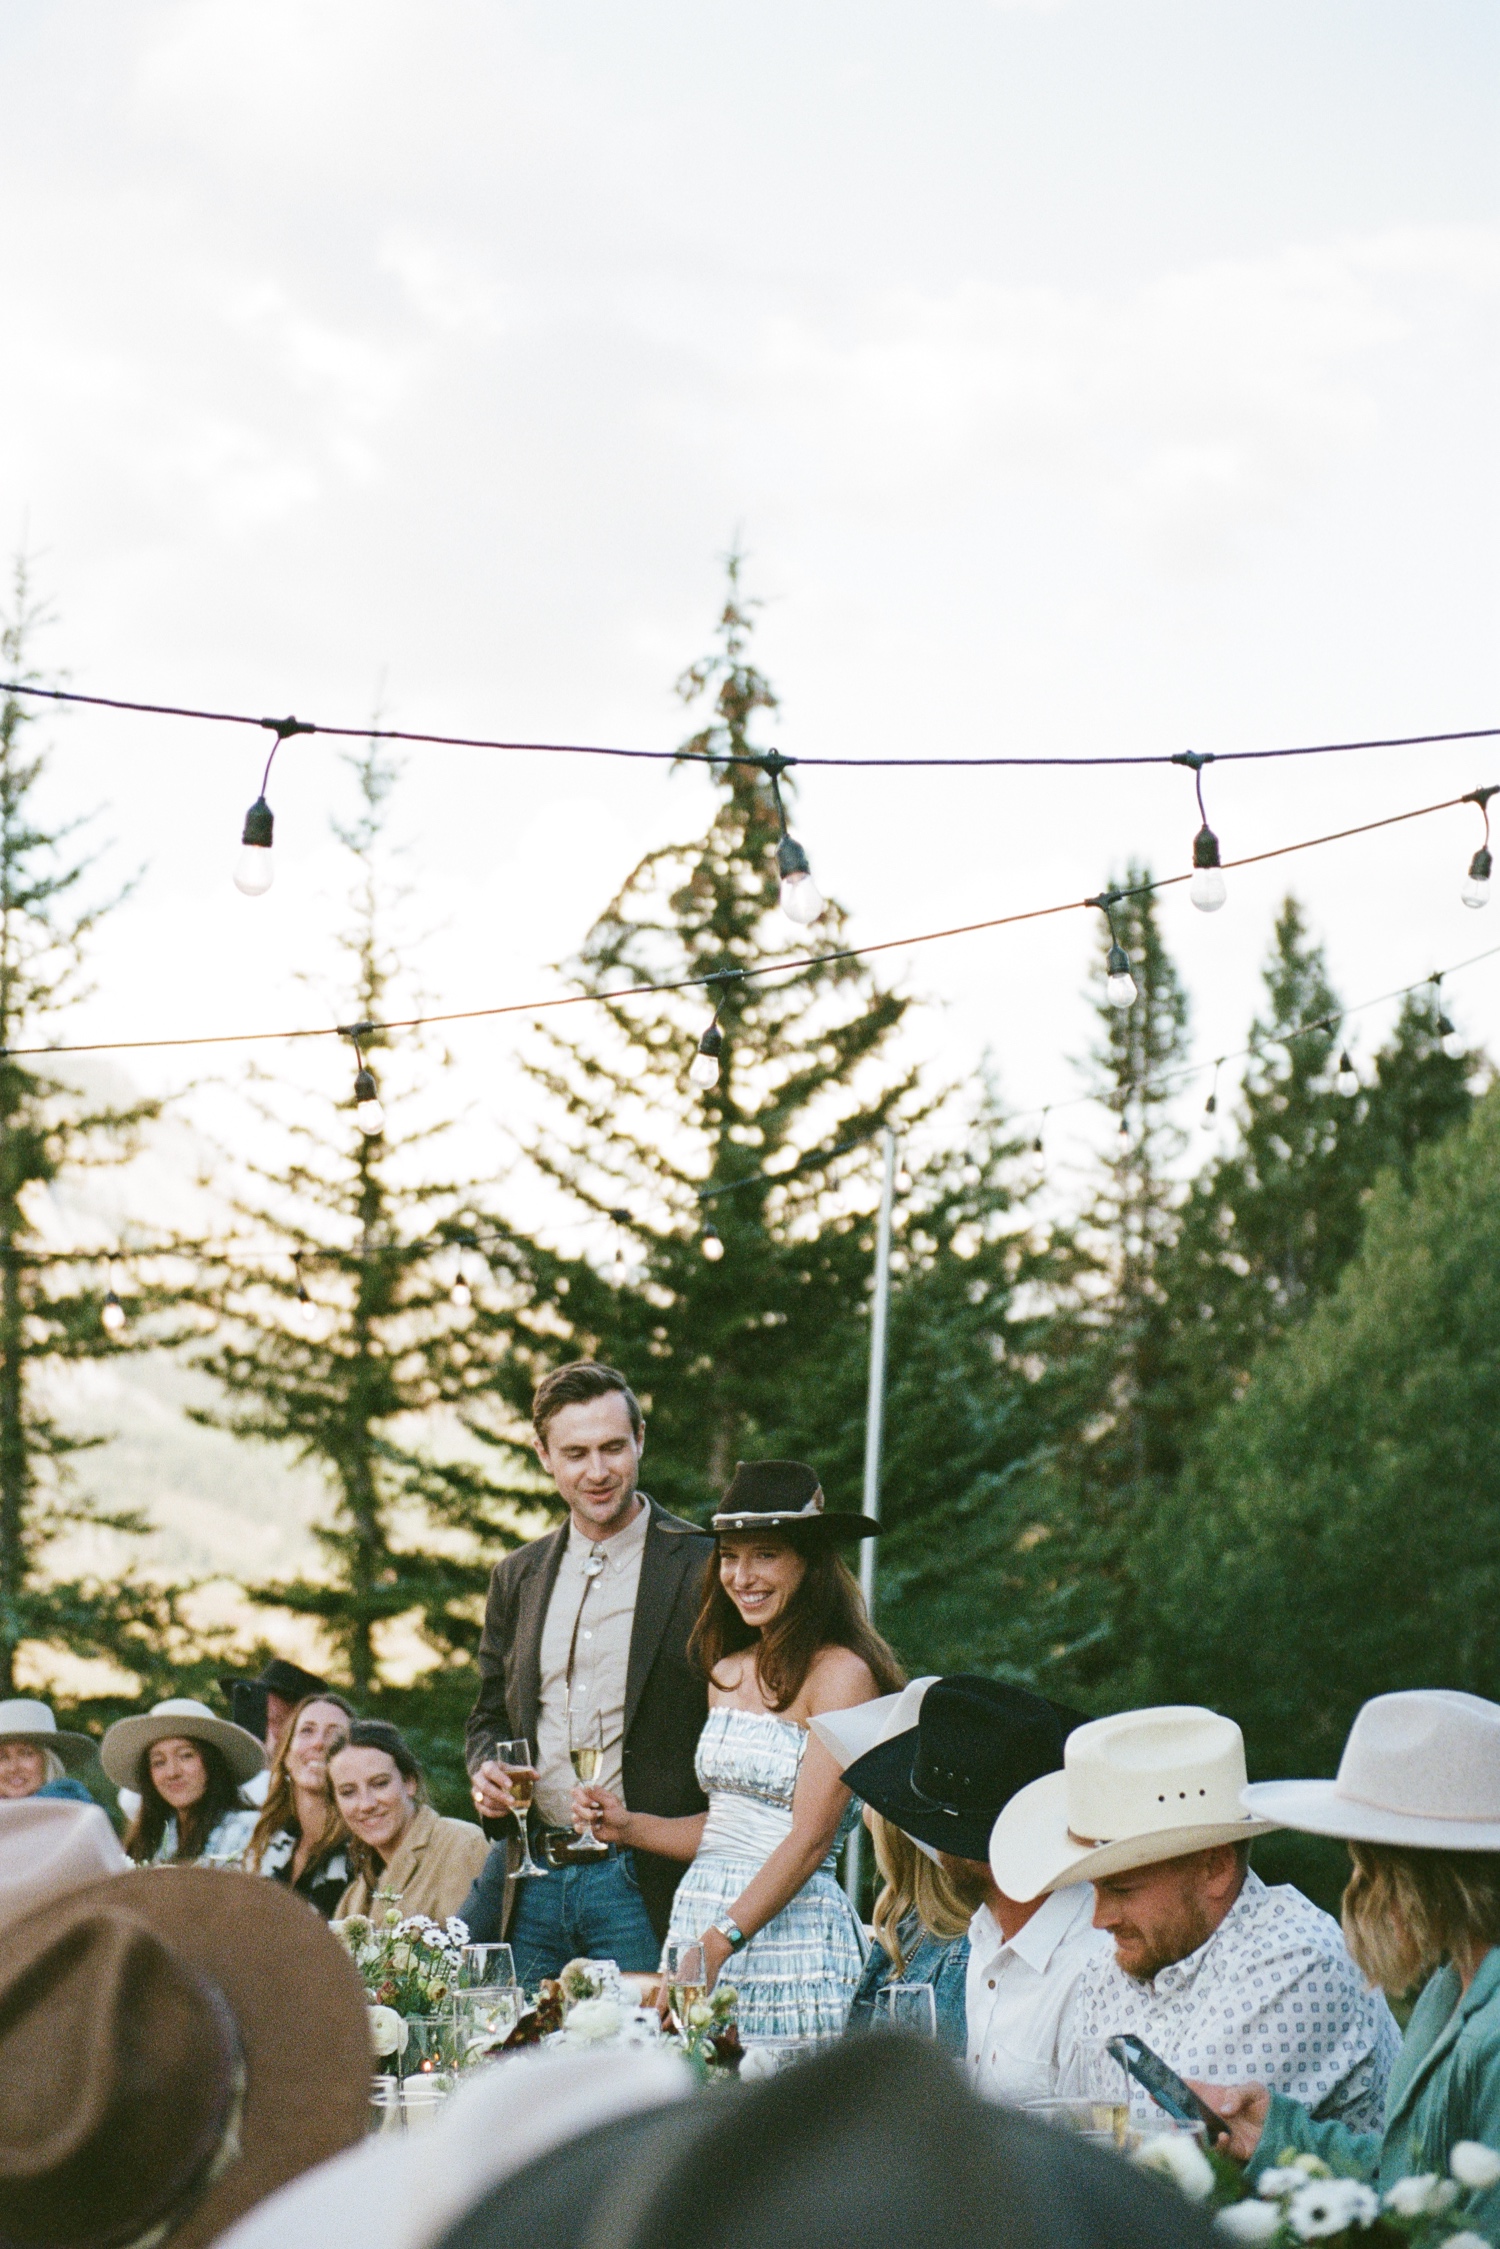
(515,1757)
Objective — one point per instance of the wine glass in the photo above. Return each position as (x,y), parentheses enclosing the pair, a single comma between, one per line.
(911,2007)
(515,1757)
(586,1748)
(484,1965)
(687,1978)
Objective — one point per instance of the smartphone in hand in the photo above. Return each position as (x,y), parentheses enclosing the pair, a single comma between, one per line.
(1167,2089)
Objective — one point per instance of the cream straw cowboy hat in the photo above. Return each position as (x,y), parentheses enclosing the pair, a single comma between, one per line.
(34,1724)
(182,1718)
(1142,1786)
(1420,1768)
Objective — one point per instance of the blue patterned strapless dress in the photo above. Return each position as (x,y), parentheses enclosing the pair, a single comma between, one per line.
(797,1975)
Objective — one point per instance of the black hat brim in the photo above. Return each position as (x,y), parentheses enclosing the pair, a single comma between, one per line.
(882,1778)
(836,1529)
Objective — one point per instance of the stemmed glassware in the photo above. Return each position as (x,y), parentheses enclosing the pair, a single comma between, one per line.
(515,1758)
(586,1748)
(911,2007)
(687,1978)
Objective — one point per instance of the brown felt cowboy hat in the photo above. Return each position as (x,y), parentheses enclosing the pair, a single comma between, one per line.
(785,1495)
(175,2044)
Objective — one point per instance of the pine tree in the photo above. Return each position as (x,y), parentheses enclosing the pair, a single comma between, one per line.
(53,1302)
(367,1345)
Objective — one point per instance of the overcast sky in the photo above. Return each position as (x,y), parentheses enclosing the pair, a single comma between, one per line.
(1115,374)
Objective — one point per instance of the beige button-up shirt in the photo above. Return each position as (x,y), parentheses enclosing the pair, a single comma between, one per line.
(602,1604)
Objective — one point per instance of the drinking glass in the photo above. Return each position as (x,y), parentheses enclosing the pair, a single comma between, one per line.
(1104,2082)
(431,2047)
(483,2018)
(687,1978)
(515,1757)
(385,2105)
(486,1964)
(910,2007)
(586,1749)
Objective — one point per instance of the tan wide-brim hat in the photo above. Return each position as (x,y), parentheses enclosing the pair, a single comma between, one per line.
(1420,1769)
(181,1718)
(33,1723)
(300,2017)
(1142,1786)
(50,1847)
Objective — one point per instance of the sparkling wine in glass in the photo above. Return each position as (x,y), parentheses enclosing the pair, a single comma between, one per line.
(515,1757)
(911,2007)
(687,1978)
(586,1748)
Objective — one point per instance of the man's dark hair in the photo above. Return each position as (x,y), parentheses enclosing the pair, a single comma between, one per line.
(574,1385)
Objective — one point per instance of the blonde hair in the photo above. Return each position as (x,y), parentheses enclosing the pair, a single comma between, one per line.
(1406,1911)
(280,1807)
(913,1881)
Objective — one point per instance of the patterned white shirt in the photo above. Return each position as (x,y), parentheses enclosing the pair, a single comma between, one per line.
(1273,1995)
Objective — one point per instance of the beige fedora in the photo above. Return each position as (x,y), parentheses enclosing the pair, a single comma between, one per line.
(1142,1786)
(848,1735)
(1421,1768)
(181,1718)
(33,1723)
(49,1847)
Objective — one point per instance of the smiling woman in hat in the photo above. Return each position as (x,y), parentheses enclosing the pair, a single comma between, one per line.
(188,1767)
(782,1635)
(35,1756)
(1417,1800)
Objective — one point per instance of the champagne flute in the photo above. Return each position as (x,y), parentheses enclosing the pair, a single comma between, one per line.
(515,1757)
(911,2007)
(687,1978)
(586,1748)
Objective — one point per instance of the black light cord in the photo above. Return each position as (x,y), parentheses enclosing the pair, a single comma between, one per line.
(796,965)
(767,760)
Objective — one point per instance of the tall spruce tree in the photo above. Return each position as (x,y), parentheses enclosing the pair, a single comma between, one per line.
(53,1131)
(366,1344)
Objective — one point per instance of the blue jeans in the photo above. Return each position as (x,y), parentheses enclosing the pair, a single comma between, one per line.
(588,1912)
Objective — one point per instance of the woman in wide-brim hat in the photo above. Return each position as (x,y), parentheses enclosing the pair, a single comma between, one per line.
(1417,1800)
(782,1635)
(188,1768)
(37,1756)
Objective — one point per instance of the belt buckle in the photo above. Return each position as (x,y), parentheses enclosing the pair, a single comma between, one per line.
(562,1848)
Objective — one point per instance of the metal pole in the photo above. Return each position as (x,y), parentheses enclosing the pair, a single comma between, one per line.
(880,1308)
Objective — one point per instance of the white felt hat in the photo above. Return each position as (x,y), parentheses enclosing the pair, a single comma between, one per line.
(33,1723)
(848,1735)
(179,1719)
(1419,1768)
(1139,1787)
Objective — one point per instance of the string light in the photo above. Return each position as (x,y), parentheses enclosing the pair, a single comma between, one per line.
(1476,889)
(112,1311)
(801,900)
(1450,1037)
(711,1242)
(307,1314)
(1347,1080)
(1120,986)
(703,1070)
(1206,889)
(1211,1105)
(254,869)
(368,1114)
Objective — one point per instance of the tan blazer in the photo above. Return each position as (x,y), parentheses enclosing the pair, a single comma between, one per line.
(434,1865)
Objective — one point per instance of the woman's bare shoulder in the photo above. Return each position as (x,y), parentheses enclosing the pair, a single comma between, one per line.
(836,1680)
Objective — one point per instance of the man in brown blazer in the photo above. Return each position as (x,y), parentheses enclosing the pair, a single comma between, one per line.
(585,1639)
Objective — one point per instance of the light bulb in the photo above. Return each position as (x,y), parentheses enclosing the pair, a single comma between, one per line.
(461,1294)
(1121,984)
(368,1114)
(801,899)
(308,1316)
(1347,1080)
(1476,889)
(1207,886)
(711,1245)
(1210,1110)
(254,868)
(1451,1036)
(703,1070)
(112,1317)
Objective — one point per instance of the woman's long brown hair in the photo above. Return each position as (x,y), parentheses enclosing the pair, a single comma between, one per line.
(826,1611)
(195,1825)
(280,1807)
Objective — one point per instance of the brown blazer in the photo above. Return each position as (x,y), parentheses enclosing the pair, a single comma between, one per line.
(666,1697)
(430,1871)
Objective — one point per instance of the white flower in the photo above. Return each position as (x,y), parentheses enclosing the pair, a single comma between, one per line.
(1473,2164)
(1312,2166)
(1282,2180)
(458,1931)
(1326,2206)
(699,2014)
(1178,2157)
(758,2061)
(1242,2221)
(1466,2241)
(388,2033)
(1412,2198)
(592,2021)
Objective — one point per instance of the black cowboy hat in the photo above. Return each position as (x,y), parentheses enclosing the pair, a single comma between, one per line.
(288,1681)
(785,1495)
(977,1742)
(878,2140)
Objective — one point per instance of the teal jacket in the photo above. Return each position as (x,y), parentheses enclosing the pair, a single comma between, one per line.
(1445,2087)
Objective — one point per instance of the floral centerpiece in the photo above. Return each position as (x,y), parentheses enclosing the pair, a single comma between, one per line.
(710,2037)
(407,1963)
(1301,2199)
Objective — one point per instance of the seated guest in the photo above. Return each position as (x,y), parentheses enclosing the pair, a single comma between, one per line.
(1224,1978)
(399,1848)
(922,1918)
(171,2052)
(944,1782)
(36,1758)
(1417,1799)
(264,1707)
(299,1838)
(188,1768)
